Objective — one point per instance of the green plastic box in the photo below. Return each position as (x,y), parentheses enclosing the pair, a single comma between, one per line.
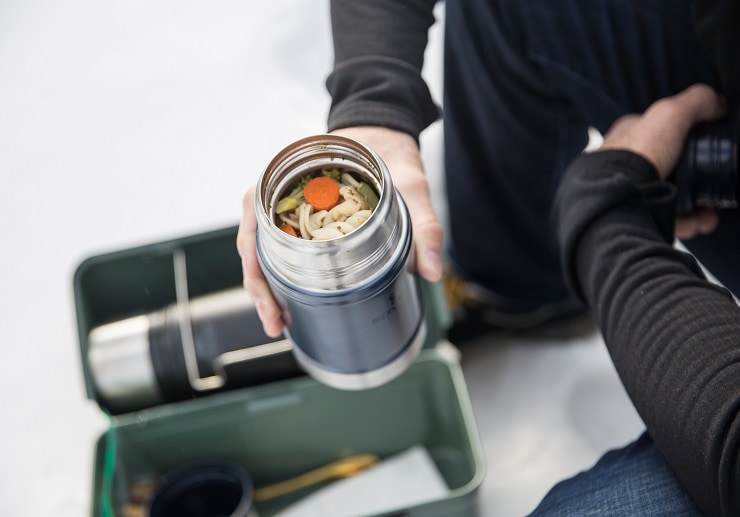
(280,429)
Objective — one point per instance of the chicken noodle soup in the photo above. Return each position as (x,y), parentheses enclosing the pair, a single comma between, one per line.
(325,204)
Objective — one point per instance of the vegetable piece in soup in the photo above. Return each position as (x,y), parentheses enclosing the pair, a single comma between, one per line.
(326,204)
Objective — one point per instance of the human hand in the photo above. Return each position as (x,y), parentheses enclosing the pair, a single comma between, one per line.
(401,154)
(254,279)
(659,135)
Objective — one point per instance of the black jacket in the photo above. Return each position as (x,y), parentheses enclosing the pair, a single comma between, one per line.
(673,336)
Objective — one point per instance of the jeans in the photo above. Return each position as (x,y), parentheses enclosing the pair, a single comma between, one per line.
(633,481)
(524,80)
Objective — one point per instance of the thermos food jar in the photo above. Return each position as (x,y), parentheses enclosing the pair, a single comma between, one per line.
(352,307)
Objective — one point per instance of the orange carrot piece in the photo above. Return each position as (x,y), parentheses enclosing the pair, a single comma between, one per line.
(322,193)
(288,229)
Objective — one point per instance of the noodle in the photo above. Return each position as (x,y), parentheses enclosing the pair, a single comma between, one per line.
(352,210)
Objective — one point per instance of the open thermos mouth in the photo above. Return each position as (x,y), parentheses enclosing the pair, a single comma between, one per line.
(353,310)
(203,490)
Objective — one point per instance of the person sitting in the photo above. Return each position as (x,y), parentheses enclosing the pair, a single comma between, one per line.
(673,335)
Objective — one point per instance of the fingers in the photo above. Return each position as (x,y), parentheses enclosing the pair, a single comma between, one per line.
(671,120)
(659,134)
(426,228)
(703,222)
(676,115)
(401,155)
(254,281)
(246,236)
(700,102)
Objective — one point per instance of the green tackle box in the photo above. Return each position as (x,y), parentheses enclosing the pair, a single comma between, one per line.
(278,429)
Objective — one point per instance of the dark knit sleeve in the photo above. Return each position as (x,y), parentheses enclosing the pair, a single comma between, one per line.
(673,336)
(378,57)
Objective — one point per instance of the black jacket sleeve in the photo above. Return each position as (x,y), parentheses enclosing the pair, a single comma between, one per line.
(673,336)
(378,57)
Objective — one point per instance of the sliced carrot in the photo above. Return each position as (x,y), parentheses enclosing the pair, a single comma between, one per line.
(288,229)
(322,193)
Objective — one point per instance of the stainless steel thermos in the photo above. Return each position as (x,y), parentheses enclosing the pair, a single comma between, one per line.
(191,347)
(352,308)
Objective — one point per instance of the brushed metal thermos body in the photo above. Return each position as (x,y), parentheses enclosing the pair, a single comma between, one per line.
(352,308)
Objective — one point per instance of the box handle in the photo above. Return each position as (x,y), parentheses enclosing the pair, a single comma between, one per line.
(220,363)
